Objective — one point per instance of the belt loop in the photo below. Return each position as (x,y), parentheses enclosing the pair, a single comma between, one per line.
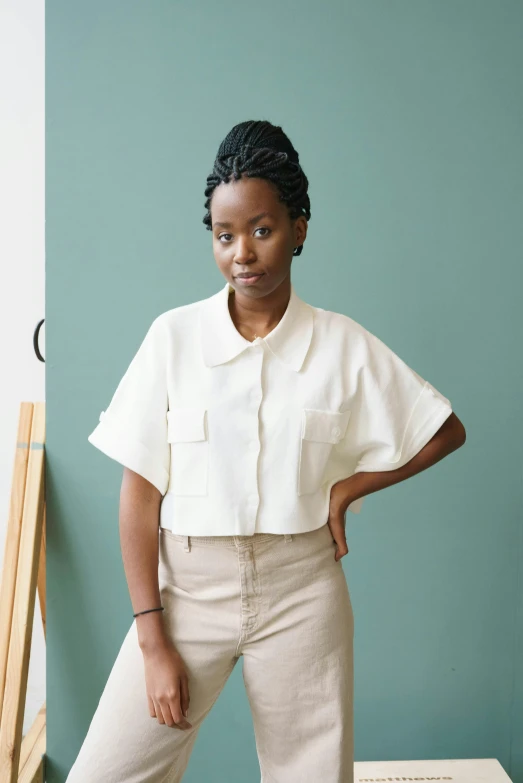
(187,544)
(288,536)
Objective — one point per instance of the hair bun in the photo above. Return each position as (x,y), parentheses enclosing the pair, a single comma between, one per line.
(255,135)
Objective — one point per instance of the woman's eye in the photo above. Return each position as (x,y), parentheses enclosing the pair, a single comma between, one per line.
(262,228)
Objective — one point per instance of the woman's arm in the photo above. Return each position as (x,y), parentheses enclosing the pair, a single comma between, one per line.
(166,677)
(139,522)
(450,436)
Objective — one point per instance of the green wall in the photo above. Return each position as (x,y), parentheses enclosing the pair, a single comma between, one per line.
(408,120)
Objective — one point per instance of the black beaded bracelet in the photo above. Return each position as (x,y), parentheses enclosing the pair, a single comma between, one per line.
(158,609)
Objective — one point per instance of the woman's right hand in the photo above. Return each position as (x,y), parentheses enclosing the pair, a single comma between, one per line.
(167,685)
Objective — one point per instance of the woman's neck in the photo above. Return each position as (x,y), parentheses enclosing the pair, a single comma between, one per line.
(257,317)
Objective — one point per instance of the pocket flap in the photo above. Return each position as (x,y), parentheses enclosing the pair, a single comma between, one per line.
(186,424)
(324,426)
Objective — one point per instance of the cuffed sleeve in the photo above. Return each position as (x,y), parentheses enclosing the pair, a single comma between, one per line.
(133,428)
(395,411)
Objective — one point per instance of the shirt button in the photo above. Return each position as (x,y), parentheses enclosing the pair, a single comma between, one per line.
(253,500)
(253,445)
(336,432)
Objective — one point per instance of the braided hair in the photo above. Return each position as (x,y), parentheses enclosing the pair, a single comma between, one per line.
(258,148)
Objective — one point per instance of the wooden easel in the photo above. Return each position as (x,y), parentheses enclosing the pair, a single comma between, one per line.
(22,760)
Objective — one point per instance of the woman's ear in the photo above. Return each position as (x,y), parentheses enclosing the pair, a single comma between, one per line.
(300,230)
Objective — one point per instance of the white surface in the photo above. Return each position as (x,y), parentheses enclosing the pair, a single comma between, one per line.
(22,257)
(456,770)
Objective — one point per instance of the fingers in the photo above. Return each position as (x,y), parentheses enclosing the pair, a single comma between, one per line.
(337,529)
(184,699)
(168,710)
(152,711)
(173,710)
(175,704)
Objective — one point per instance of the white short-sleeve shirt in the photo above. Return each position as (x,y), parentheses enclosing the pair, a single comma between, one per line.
(244,437)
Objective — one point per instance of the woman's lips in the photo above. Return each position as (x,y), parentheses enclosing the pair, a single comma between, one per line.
(249,280)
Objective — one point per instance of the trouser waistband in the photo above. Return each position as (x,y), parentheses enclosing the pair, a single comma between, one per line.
(240,541)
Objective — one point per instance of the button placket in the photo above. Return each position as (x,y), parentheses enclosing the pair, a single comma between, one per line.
(253,445)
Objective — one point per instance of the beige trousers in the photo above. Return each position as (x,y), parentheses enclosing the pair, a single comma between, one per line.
(280,601)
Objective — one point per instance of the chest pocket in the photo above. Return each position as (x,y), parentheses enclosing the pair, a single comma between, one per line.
(187,435)
(321,430)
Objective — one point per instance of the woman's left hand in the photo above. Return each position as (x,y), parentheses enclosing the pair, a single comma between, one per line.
(338,506)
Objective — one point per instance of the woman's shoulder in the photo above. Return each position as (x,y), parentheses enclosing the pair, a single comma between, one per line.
(351,337)
(334,323)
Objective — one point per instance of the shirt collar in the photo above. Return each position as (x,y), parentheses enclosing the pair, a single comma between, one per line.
(221,341)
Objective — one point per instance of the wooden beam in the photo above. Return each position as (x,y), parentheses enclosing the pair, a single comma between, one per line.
(24,602)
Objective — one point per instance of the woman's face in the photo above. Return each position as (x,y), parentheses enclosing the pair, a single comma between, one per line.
(253,234)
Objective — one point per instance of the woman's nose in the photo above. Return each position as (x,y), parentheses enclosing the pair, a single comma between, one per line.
(243,251)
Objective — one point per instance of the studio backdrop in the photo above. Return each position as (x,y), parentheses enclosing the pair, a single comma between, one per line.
(408,120)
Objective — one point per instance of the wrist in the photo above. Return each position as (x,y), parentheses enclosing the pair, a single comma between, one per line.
(151,631)
(151,645)
(343,493)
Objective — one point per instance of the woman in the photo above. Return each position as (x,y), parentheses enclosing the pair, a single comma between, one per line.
(248,423)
